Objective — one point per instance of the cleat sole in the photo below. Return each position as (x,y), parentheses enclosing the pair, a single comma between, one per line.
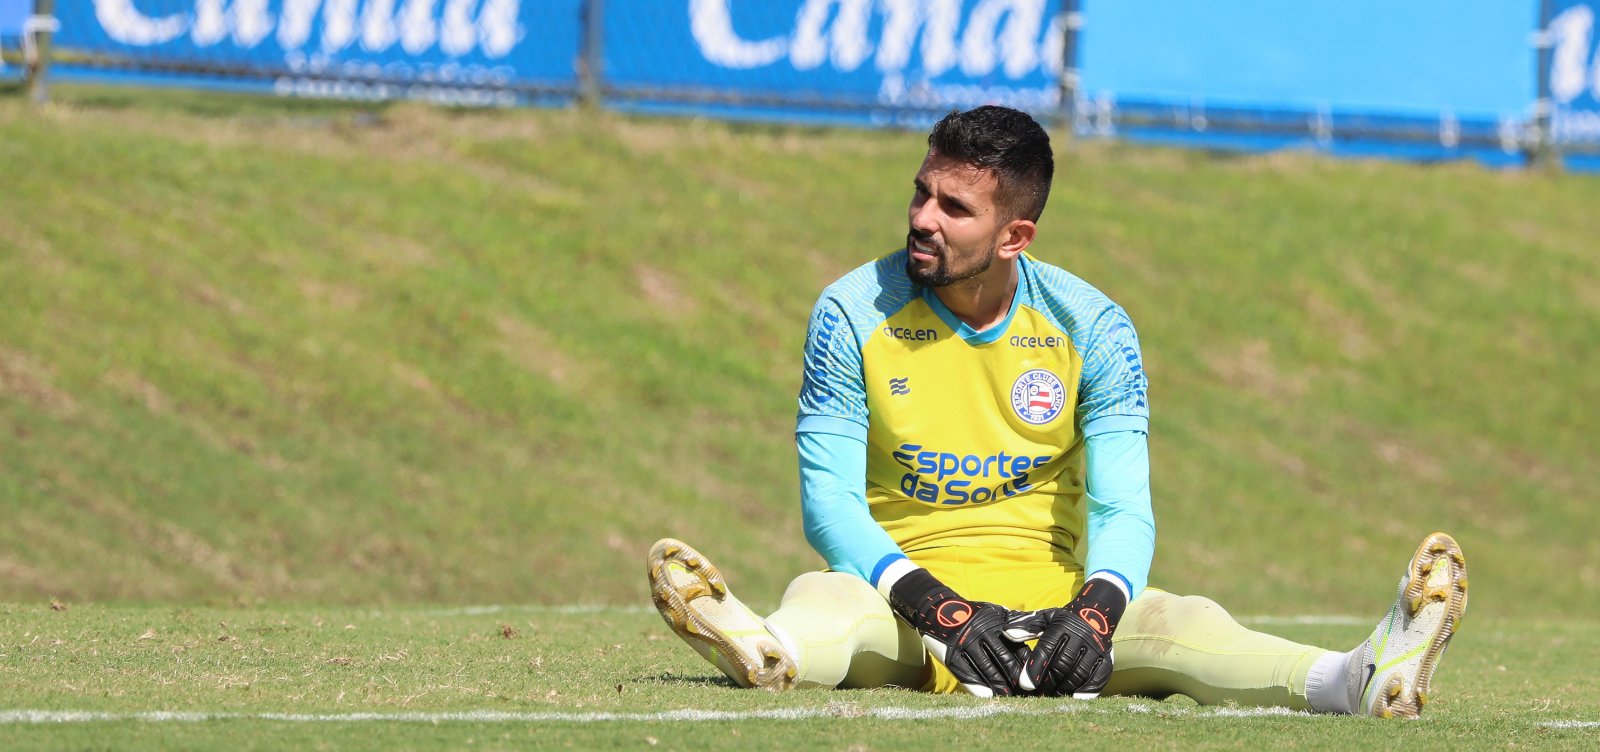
(759,663)
(1437,575)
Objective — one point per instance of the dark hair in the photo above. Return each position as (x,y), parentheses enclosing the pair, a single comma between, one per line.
(1004,140)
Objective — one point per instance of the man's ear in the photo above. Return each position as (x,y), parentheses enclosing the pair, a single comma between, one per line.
(1016,237)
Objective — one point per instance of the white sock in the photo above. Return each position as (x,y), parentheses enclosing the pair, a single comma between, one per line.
(789,645)
(1328,684)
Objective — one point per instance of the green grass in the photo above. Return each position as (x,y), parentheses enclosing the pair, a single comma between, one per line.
(267,362)
(263,352)
(525,677)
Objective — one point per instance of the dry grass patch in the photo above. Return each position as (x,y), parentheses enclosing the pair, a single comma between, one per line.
(1250,366)
(533,349)
(24,377)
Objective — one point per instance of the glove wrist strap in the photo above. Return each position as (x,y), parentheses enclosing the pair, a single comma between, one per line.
(891,574)
(1100,600)
(916,596)
(1113,578)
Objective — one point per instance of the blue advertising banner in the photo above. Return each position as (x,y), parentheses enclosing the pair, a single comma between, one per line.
(927,55)
(1471,57)
(1574,74)
(1423,79)
(13,14)
(13,19)
(1457,70)
(349,48)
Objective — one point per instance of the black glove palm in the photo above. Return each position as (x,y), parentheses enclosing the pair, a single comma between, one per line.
(1073,655)
(966,636)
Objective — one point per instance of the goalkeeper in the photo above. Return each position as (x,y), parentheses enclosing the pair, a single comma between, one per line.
(974,470)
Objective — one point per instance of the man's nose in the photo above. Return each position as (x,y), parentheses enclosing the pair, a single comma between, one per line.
(924,219)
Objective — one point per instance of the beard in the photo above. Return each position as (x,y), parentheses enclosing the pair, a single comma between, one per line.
(945,271)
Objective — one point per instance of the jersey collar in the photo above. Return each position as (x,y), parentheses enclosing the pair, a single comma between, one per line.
(968,334)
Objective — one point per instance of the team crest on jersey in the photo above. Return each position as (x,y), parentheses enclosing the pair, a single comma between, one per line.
(1038,396)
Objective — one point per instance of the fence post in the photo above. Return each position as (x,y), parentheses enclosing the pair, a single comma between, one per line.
(1070,77)
(39,66)
(589,73)
(1542,151)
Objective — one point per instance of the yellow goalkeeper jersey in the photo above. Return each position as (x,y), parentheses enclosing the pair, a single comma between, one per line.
(973,438)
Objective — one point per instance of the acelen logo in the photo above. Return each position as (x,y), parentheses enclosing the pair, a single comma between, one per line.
(976,37)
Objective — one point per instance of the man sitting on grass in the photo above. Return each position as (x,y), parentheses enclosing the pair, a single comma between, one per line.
(974,470)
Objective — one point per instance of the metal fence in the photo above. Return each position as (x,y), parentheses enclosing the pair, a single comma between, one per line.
(20,27)
(1425,79)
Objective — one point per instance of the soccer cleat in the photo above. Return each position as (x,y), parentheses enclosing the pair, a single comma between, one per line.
(693,599)
(1391,672)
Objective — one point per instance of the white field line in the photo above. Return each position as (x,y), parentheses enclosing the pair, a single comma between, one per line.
(573,608)
(833,710)
(1308,619)
(1570,724)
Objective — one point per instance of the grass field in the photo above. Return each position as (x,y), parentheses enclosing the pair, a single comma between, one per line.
(269,369)
(615,677)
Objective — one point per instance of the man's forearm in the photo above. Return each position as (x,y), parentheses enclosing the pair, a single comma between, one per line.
(833,504)
(1121,527)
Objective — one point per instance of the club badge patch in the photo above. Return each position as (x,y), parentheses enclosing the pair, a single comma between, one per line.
(1038,396)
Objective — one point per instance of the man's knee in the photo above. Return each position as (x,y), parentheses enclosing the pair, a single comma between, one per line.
(835,590)
(1160,612)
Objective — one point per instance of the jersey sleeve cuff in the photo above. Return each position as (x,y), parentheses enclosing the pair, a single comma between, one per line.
(832,425)
(1111,423)
(889,571)
(1116,579)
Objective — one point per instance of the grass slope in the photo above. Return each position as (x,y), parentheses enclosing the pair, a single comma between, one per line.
(259,351)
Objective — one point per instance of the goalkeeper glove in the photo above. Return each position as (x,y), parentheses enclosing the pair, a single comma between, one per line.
(1073,655)
(966,636)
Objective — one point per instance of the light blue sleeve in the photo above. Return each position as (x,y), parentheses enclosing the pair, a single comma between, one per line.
(1113,389)
(833,504)
(1121,526)
(831,389)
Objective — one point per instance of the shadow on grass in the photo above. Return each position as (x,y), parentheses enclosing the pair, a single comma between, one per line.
(667,677)
(199,102)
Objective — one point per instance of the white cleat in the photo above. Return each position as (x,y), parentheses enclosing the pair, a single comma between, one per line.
(1391,672)
(693,599)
